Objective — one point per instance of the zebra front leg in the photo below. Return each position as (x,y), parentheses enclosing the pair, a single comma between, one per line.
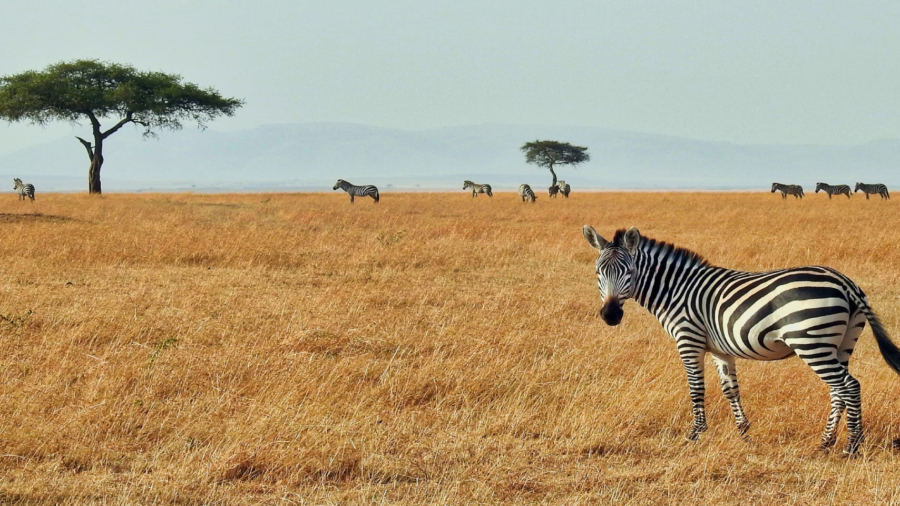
(728,377)
(693,365)
(351,198)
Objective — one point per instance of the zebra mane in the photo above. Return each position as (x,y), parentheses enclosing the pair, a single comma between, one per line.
(648,243)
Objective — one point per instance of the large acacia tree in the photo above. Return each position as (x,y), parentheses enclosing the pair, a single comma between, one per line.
(90,90)
(549,154)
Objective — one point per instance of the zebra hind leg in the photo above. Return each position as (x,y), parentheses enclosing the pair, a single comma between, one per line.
(728,378)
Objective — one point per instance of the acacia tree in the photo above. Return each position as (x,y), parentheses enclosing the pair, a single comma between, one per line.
(92,90)
(548,154)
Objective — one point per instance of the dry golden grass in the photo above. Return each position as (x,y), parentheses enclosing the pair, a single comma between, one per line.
(433,348)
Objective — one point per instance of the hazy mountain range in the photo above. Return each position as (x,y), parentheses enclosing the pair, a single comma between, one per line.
(310,156)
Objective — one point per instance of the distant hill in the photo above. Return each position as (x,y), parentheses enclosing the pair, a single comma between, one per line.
(312,155)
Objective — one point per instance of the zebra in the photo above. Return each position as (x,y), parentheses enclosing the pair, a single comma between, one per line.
(833,190)
(873,188)
(564,188)
(816,313)
(25,190)
(357,191)
(478,188)
(527,193)
(788,189)
(553,191)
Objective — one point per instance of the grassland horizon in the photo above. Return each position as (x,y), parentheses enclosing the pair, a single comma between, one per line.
(263,348)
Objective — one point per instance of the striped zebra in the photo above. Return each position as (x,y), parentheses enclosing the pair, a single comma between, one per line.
(25,190)
(527,193)
(788,189)
(357,191)
(833,190)
(553,191)
(478,188)
(816,313)
(873,188)
(564,188)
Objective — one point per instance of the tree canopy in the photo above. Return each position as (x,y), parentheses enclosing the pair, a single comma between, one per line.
(548,154)
(90,90)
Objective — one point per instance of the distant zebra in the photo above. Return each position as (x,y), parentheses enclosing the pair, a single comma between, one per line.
(788,189)
(357,191)
(873,188)
(833,190)
(564,188)
(813,312)
(527,193)
(553,191)
(478,188)
(25,190)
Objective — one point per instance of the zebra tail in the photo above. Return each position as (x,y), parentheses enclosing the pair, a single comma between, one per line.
(888,349)
(377,196)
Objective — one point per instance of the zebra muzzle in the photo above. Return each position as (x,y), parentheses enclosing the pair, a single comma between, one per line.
(611,312)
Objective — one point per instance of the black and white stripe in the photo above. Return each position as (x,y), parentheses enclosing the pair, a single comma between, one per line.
(564,188)
(873,188)
(833,190)
(788,189)
(357,191)
(477,188)
(816,313)
(527,193)
(24,190)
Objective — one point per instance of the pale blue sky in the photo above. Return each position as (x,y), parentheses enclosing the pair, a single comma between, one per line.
(823,72)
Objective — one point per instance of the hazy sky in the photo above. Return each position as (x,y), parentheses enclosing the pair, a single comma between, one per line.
(823,72)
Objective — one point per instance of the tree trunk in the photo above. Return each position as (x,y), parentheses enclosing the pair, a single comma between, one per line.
(95,154)
(554,176)
(94,175)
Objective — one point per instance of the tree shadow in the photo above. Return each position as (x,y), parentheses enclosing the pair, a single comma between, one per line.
(32,218)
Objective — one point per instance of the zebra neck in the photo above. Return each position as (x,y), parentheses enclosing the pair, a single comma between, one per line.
(663,272)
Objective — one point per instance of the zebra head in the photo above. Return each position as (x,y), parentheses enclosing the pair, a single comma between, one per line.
(467,184)
(859,186)
(820,186)
(339,184)
(615,270)
(774,187)
(17,183)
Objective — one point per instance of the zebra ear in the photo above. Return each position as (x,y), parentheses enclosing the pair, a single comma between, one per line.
(593,238)
(632,239)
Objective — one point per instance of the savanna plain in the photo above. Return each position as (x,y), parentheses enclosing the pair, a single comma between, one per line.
(432,348)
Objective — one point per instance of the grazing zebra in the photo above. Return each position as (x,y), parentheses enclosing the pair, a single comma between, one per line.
(357,191)
(833,190)
(553,191)
(873,188)
(478,188)
(564,188)
(816,313)
(526,193)
(788,189)
(25,190)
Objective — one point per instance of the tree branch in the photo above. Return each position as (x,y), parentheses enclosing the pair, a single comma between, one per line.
(94,121)
(87,146)
(129,117)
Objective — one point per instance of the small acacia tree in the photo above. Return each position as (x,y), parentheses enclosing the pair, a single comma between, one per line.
(92,90)
(548,154)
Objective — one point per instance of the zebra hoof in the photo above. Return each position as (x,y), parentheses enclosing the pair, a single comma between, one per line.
(853,445)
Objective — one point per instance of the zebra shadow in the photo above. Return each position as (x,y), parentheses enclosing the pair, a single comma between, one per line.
(32,218)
